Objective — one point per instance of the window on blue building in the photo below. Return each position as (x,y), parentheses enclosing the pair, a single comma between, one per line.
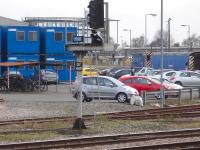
(32,36)
(58,36)
(70,37)
(20,36)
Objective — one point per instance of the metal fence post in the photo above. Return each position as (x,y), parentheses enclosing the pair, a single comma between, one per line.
(191,94)
(179,98)
(144,97)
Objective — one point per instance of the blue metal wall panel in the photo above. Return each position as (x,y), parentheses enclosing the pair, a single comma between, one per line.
(49,44)
(0,40)
(26,70)
(176,62)
(63,72)
(25,46)
(138,60)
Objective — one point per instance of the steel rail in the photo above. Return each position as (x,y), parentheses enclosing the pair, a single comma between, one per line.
(138,114)
(192,145)
(102,140)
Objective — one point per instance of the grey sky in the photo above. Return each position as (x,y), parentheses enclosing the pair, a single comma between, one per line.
(131,14)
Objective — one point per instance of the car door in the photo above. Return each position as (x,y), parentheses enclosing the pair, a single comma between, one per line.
(195,79)
(142,84)
(90,87)
(107,89)
(168,75)
(184,78)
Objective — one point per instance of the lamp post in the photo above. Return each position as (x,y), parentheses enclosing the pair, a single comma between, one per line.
(169,19)
(162,96)
(130,35)
(145,34)
(189,42)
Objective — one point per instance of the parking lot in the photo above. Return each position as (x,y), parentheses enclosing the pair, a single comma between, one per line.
(52,103)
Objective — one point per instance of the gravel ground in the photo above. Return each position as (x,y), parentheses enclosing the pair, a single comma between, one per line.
(52,103)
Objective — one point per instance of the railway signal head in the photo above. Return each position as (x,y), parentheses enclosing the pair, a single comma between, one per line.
(96,14)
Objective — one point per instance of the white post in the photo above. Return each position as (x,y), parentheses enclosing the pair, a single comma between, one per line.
(162,97)
(79,123)
(8,77)
(70,75)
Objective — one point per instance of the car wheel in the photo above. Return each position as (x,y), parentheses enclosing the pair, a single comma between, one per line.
(121,97)
(179,83)
(84,98)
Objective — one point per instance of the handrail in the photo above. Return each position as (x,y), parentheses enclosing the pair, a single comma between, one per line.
(147,95)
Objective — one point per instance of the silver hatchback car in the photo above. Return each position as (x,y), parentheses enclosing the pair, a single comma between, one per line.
(185,78)
(104,87)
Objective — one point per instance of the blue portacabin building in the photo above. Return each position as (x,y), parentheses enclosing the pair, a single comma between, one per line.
(22,40)
(66,70)
(52,40)
(38,44)
(27,70)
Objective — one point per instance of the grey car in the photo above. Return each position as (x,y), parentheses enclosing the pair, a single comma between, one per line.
(185,78)
(104,87)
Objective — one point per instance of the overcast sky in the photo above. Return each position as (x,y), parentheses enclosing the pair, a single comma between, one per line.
(131,14)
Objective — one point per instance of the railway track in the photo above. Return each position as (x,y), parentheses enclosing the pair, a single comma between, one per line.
(112,139)
(176,112)
(192,145)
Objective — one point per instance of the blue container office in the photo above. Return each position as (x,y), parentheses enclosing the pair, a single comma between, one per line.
(66,71)
(52,40)
(171,61)
(22,40)
(27,70)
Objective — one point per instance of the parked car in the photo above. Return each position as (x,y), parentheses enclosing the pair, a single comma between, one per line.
(112,70)
(12,73)
(144,72)
(157,72)
(185,78)
(166,75)
(143,83)
(117,74)
(48,75)
(104,72)
(89,71)
(104,87)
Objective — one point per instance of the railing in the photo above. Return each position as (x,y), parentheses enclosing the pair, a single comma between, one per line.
(179,94)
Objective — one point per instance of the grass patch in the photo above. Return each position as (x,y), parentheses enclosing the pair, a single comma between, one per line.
(101,125)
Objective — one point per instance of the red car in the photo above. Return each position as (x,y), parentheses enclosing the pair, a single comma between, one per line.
(143,83)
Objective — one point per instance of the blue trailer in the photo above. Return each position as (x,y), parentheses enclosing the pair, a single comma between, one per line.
(171,60)
(21,39)
(66,71)
(52,40)
(27,71)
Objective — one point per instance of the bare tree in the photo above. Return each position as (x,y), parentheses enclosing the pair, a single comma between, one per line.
(157,41)
(193,41)
(138,41)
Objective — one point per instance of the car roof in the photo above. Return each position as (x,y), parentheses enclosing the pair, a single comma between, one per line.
(127,77)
